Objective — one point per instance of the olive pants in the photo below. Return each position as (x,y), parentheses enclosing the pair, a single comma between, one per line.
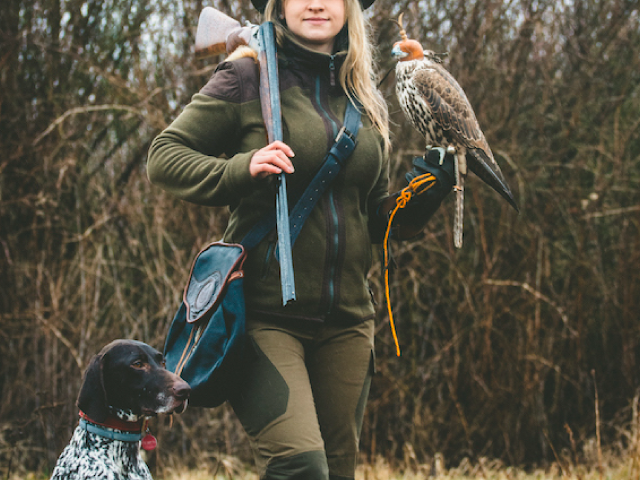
(301,398)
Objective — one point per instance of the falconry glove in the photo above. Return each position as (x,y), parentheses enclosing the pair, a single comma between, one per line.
(428,183)
(424,202)
(407,211)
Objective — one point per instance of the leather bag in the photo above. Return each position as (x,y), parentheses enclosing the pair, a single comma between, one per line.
(205,338)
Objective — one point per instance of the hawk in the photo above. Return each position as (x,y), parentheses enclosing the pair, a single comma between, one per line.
(433,101)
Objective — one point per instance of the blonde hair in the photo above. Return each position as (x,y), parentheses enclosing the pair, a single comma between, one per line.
(355,76)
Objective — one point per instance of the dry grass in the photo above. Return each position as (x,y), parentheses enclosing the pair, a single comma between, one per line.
(593,461)
(596,463)
(624,466)
(618,469)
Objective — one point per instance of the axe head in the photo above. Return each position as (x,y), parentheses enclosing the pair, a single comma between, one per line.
(218,33)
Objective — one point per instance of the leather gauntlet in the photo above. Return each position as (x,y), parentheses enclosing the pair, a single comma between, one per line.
(428,183)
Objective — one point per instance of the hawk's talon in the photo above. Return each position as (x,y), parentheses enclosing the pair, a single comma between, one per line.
(440,151)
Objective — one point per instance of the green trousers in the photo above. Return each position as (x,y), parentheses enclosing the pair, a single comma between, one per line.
(301,398)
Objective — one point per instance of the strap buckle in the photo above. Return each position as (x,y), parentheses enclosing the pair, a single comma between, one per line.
(342,132)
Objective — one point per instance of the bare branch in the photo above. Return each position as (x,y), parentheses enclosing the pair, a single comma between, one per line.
(538,295)
(79,110)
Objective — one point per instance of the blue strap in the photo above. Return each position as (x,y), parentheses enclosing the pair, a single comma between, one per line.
(108,433)
(343,146)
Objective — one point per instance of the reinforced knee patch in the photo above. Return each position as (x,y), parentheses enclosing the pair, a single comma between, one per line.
(303,466)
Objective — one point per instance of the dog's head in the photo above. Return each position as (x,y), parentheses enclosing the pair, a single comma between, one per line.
(129,377)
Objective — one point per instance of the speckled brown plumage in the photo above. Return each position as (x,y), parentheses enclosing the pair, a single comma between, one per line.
(436,105)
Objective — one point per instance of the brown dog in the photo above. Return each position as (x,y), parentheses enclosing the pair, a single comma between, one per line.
(123,384)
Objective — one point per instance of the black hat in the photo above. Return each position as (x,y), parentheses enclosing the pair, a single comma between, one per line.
(261,4)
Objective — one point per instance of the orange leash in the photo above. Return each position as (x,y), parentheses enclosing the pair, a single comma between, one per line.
(416,186)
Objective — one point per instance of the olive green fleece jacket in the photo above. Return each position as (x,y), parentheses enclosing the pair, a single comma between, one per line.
(203,157)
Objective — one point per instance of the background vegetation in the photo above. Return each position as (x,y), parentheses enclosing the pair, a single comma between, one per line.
(521,346)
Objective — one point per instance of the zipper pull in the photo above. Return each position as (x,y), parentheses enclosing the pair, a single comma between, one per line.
(332,71)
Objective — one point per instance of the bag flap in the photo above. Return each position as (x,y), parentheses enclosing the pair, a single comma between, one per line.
(212,269)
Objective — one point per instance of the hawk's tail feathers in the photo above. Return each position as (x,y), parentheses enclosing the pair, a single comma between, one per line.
(488,170)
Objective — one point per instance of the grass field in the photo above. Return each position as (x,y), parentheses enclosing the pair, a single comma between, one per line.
(489,473)
(623,470)
(591,463)
(619,469)
(626,467)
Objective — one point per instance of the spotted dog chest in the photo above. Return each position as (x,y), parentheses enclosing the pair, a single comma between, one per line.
(92,456)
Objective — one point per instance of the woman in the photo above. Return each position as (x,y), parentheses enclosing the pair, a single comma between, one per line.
(306,379)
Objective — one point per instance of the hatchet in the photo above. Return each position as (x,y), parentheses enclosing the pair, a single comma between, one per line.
(218,33)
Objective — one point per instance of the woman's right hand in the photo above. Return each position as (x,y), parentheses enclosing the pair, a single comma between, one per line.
(271,160)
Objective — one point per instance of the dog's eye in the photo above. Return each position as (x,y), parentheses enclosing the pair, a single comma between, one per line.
(161,360)
(138,364)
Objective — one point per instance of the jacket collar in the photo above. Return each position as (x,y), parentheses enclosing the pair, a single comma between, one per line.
(298,57)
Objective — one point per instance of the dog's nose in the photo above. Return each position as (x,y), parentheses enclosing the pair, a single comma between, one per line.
(182,390)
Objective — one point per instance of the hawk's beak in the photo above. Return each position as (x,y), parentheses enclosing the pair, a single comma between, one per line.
(491,175)
(397,53)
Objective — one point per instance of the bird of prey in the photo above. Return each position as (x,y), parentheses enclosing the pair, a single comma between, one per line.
(433,101)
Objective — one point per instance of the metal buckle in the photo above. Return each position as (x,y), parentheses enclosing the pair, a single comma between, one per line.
(344,131)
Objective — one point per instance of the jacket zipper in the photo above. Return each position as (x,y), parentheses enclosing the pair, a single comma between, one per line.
(334,253)
(332,70)
(332,243)
(266,262)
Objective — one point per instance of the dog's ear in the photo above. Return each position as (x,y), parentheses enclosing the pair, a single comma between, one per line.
(92,399)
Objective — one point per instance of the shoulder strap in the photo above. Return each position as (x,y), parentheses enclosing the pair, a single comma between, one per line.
(343,146)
